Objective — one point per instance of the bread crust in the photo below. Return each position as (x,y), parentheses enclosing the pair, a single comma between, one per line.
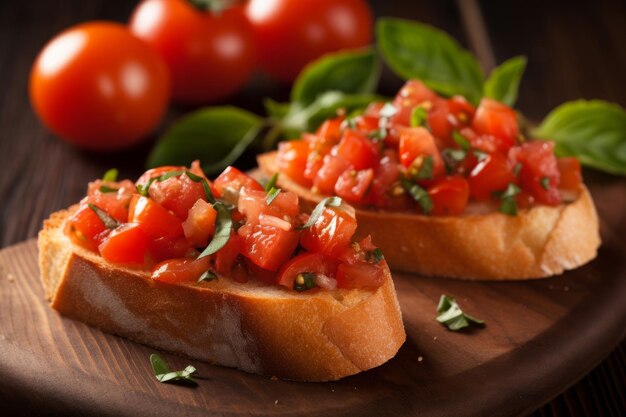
(315,336)
(539,242)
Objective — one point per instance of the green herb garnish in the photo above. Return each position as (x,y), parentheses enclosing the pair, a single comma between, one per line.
(374,256)
(223,228)
(304,281)
(419,194)
(426,169)
(109,222)
(205,185)
(163,374)
(272,194)
(517,168)
(271,183)
(451,157)
(110,175)
(508,204)
(208,276)
(107,189)
(460,140)
(419,115)
(545,183)
(480,155)
(319,209)
(451,315)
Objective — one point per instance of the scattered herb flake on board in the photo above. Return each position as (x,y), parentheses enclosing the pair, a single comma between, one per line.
(451,315)
(163,374)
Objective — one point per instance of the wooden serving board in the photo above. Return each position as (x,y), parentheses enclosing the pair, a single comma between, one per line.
(540,337)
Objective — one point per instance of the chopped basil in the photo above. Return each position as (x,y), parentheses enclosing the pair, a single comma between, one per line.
(272,194)
(271,183)
(110,175)
(545,183)
(208,276)
(143,189)
(426,169)
(163,374)
(109,222)
(419,116)
(460,140)
(388,111)
(304,281)
(508,204)
(223,228)
(374,256)
(378,134)
(451,157)
(106,189)
(205,185)
(480,155)
(419,194)
(517,168)
(319,209)
(451,315)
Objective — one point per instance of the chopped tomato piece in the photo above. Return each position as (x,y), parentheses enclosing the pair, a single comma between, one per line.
(361,274)
(386,191)
(448,116)
(571,177)
(353,185)
(231,181)
(449,196)
(112,197)
(418,142)
(357,149)
(314,263)
(252,204)
(200,223)
(292,159)
(85,228)
(496,119)
(332,231)
(492,174)
(539,173)
(260,274)
(412,94)
(267,246)
(328,174)
(162,248)
(178,270)
(226,257)
(153,218)
(127,244)
(330,131)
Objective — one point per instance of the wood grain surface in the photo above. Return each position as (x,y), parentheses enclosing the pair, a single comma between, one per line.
(575,50)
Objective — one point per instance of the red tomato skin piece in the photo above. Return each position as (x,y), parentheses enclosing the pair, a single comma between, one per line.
(450,196)
(538,164)
(571,175)
(127,244)
(85,228)
(492,174)
(352,185)
(332,231)
(496,119)
(154,219)
(175,271)
(292,160)
(315,263)
(267,246)
(418,142)
(357,149)
(328,174)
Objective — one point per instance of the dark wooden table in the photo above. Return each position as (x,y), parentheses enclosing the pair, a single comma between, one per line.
(574,49)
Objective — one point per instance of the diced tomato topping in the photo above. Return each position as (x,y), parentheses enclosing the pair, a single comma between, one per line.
(448,116)
(267,246)
(254,203)
(292,160)
(231,181)
(357,149)
(418,142)
(539,173)
(496,119)
(353,185)
(449,196)
(314,263)
(127,244)
(492,174)
(412,94)
(571,176)
(328,174)
(112,197)
(330,131)
(162,248)
(153,218)
(260,274)
(179,270)
(361,274)
(200,223)
(332,231)
(85,228)
(226,257)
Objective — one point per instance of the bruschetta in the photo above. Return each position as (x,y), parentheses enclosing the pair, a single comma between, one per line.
(447,189)
(225,272)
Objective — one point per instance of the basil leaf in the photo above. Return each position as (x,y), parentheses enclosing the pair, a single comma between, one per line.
(352,72)
(419,194)
(223,228)
(452,157)
(163,373)
(460,140)
(215,135)
(503,83)
(426,169)
(451,315)
(419,115)
(271,183)
(593,131)
(205,185)
(545,183)
(110,175)
(106,189)
(274,109)
(416,50)
(109,222)
(208,276)
(272,194)
(319,209)
(374,256)
(508,204)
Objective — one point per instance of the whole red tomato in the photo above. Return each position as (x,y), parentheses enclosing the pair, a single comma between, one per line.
(210,55)
(292,33)
(99,87)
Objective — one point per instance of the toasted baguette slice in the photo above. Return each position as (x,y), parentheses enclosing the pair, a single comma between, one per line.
(536,243)
(318,336)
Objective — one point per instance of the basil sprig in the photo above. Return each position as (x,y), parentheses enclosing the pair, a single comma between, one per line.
(109,221)
(163,374)
(593,131)
(451,315)
(319,209)
(223,228)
